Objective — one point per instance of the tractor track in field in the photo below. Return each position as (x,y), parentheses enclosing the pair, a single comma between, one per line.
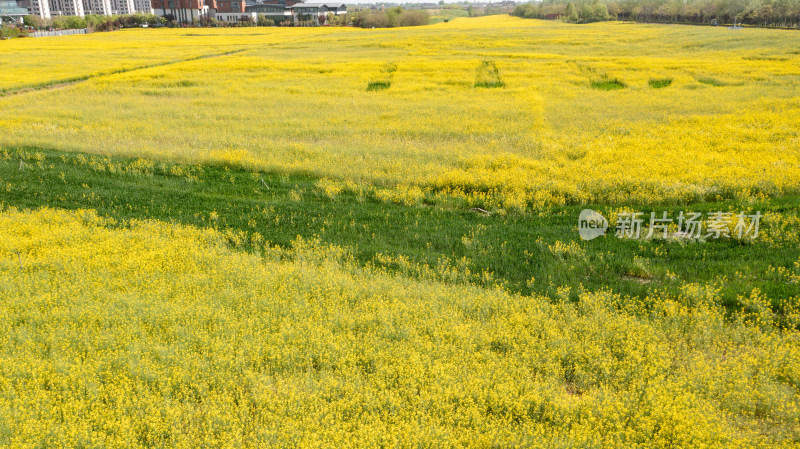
(60,84)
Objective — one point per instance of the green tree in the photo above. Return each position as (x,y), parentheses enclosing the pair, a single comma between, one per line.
(392,14)
(33,21)
(8,32)
(571,14)
(69,22)
(263,21)
(600,11)
(412,18)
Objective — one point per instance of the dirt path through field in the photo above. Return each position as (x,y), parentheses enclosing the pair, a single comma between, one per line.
(60,84)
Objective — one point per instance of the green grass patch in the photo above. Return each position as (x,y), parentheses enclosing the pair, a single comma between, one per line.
(384,80)
(522,253)
(440,15)
(378,85)
(712,82)
(488,76)
(608,85)
(660,83)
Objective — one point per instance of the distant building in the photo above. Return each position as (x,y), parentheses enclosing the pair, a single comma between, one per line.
(235,16)
(123,6)
(66,8)
(10,9)
(144,6)
(283,10)
(232,6)
(281,2)
(40,8)
(184,11)
(99,7)
(319,9)
(272,11)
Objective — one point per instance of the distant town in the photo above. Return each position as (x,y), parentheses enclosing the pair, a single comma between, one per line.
(193,11)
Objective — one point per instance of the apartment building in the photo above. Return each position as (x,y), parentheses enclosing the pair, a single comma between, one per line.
(40,8)
(183,11)
(143,6)
(66,8)
(123,7)
(99,7)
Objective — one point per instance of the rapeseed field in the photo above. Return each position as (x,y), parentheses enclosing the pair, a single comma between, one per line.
(612,113)
(158,335)
(336,237)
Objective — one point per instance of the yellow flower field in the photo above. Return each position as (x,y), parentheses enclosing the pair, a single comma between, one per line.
(157,335)
(366,238)
(611,113)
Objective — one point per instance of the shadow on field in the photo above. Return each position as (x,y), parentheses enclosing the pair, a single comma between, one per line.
(528,253)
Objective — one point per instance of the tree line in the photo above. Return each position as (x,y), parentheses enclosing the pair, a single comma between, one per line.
(389,17)
(766,13)
(94,22)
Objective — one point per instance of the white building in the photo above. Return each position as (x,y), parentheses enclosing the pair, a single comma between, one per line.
(47,8)
(13,10)
(123,7)
(66,7)
(235,16)
(40,8)
(143,6)
(316,12)
(99,7)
